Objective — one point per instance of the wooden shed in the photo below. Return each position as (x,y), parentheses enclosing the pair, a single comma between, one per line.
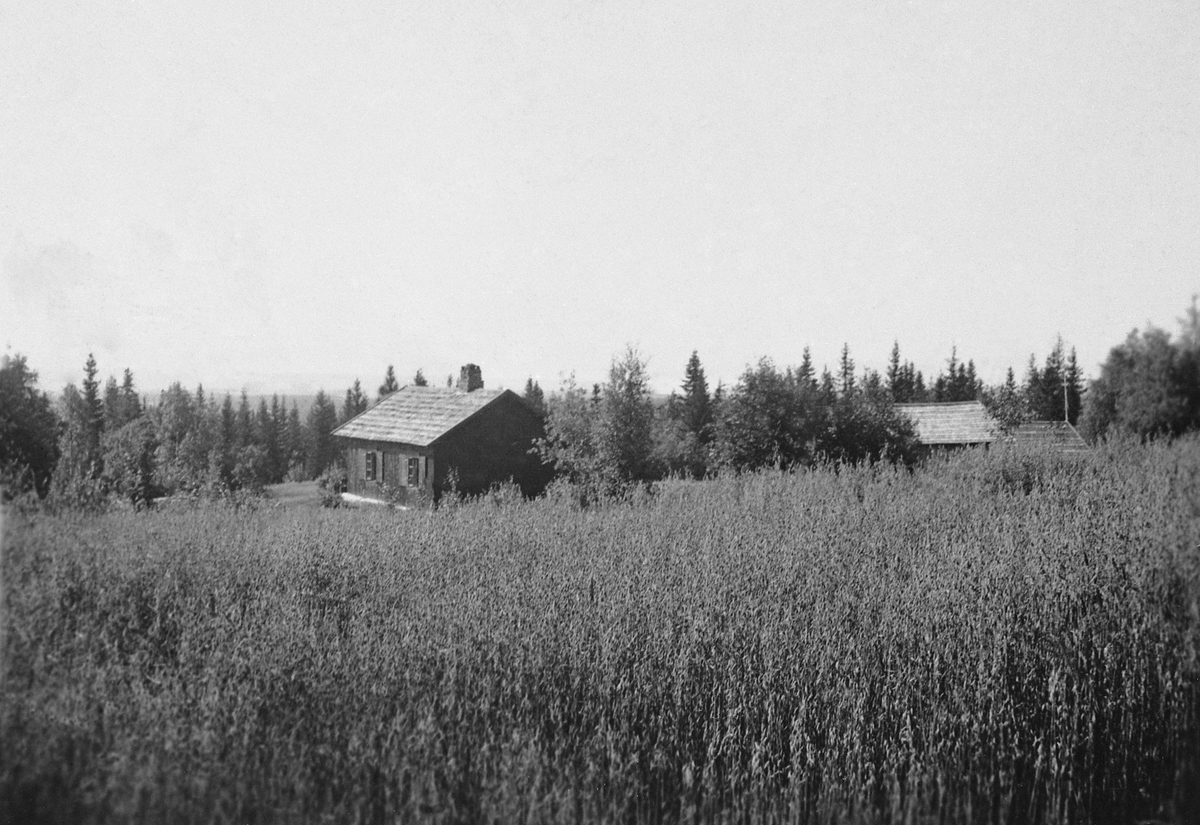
(409,445)
(951,424)
(1049,437)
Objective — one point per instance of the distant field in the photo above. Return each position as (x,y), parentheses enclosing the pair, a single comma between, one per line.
(994,638)
(295,494)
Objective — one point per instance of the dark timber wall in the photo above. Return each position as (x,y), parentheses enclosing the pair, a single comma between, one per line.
(490,447)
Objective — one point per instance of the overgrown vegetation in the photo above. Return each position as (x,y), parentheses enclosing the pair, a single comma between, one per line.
(994,637)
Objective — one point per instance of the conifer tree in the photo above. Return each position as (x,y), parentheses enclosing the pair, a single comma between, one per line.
(696,406)
(389,385)
(297,450)
(131,404)
(1073,377)
(893,370)
(846,371)
(355,403)
(806,374)
(534,395)
(266,437)
(322,418)
(419,379)
(93,415)
(244,427)
(113,413)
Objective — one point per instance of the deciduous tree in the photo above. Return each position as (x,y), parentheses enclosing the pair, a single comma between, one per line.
(29,430)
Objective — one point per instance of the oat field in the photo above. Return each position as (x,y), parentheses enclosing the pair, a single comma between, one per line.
(995,637)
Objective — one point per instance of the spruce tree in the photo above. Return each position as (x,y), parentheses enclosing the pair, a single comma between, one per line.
(93,416)
(1033,388)
(894,371)
(1074,381)
(356,401)
(297,450)
(534,395)
(806,374)
(131,404)
(696,406)
(389,385)
(244,426)
(322,418)
(114,416)
(419,379)
(846,371)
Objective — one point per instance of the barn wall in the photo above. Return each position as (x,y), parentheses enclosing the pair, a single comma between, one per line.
(491,447)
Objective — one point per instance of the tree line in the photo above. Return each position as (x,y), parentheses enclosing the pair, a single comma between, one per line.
(100,441)
(616,434)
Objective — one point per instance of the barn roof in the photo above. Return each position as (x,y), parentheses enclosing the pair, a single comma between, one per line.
(951,422)
(1049,436)
(418,415)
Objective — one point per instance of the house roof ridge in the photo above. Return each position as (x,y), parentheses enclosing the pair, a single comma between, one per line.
(417,415)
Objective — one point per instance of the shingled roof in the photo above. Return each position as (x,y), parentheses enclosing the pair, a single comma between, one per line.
(1049,436)
(417,415)
(948,423)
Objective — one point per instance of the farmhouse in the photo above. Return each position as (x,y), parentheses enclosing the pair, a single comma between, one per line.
(412,445)
(951,424)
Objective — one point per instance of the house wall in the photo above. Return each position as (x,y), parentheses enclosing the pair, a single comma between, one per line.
(491,447)
(391,471)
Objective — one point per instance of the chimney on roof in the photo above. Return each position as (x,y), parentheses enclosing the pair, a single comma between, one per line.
(470,378)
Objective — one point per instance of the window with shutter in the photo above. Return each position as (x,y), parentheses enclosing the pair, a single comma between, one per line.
(369,467)
(414,472)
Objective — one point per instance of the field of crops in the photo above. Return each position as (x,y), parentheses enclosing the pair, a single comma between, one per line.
(993,638)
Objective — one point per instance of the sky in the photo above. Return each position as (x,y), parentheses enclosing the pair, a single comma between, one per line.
(284,197)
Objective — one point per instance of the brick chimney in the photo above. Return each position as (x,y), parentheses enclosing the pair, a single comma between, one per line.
(470,377)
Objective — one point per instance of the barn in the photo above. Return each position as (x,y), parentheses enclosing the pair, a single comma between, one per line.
(413,445)
(951,424)
(948,425)
(1049,437)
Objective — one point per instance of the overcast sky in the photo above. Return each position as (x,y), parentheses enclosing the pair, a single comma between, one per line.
(283,199)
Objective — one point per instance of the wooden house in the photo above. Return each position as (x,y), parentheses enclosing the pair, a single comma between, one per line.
(409,446)
(943,425)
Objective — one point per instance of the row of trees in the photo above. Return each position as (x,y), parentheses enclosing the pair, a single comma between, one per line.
(617,434)
(107,440)
(101,442)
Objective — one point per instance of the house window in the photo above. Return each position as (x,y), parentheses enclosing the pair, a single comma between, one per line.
(370,467)
(414,472)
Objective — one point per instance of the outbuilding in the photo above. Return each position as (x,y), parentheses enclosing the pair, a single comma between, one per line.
(944,425)
(1057,437)
(419,442)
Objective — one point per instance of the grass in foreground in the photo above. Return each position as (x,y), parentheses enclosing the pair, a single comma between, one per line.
(996,638)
